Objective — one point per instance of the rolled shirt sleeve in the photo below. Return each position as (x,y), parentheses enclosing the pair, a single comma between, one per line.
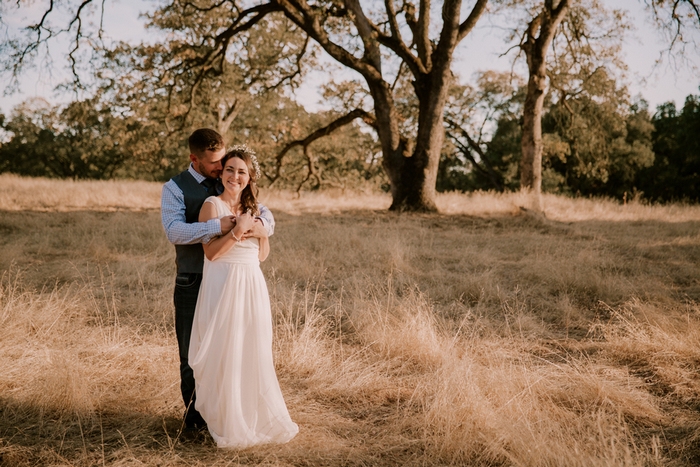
(267,219)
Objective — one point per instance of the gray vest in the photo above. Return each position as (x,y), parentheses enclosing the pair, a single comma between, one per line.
(190,258)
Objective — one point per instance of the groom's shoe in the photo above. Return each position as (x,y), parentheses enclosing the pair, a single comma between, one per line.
(195,434)
(194,431)
(194,426)
(194,421)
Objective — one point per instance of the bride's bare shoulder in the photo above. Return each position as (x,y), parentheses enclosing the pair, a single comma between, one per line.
(209,209)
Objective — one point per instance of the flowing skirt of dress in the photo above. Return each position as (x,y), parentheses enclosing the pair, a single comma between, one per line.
(231,354)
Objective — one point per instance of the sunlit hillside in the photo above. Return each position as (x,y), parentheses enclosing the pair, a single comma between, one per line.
(486,335)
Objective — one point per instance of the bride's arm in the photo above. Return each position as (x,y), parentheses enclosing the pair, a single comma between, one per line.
(260,231)
(264,243)
(218,245)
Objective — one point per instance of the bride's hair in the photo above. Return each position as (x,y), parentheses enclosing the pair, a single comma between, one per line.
(249,195)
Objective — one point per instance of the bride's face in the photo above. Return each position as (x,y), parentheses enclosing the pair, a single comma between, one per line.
(235,175)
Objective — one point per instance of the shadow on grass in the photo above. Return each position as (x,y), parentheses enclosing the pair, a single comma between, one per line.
(31,436)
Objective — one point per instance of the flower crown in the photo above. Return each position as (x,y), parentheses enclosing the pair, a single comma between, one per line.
(243,148)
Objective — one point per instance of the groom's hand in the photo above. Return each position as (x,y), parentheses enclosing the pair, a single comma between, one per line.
(227,223)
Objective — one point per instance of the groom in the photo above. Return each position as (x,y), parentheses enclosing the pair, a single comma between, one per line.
(181,200)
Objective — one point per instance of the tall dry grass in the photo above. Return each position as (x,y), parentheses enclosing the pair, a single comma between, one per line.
(486,335)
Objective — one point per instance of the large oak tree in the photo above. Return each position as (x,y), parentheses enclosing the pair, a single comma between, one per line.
(369,40)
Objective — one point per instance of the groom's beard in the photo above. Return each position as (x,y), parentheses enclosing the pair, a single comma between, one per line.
(215,174)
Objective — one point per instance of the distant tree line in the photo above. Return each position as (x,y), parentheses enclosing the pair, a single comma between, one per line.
(89,140)
(594,145)
(592,148)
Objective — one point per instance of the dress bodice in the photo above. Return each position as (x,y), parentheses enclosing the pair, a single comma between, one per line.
(242,252)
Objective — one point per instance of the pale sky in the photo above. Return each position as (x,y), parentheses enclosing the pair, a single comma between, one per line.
(478,52)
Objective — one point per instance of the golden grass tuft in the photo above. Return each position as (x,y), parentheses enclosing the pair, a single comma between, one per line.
(485,335)
(58,384)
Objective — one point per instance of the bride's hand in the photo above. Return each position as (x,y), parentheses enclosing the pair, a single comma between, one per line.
(244,223)
(258,230)
(227,223)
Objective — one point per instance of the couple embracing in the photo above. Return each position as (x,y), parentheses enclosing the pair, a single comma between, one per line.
(223,321)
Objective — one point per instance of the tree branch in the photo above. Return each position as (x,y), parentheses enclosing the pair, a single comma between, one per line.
(307,19)
(393,22)
(226,117)
(213,6)
(416,66)
(204,64)
(78,35)
(489,171)
(367,33)
(469,23)
(311,170)
(320,133)
(395,41)
(422,38)
(19,57)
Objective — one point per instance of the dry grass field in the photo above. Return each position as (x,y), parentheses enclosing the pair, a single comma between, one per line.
(483,336)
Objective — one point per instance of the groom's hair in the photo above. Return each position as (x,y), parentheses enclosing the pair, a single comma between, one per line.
(205,139)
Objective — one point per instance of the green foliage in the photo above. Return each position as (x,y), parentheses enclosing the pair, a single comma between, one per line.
(505,151)
(342,159)
(473,114)
(595,148)
(595,143)
(599,144)
(75,142)
(149,104)
(675,174)
(348,158)
(153,95)
(89,140)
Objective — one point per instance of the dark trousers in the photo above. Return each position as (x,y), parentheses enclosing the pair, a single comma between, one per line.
(185,298)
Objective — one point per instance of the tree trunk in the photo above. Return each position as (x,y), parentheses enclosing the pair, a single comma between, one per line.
(413,177)
(225,114)
(531,142)
(538,38)
(412,173)
(414,189)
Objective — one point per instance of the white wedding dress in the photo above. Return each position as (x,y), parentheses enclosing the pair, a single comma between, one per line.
(231,351)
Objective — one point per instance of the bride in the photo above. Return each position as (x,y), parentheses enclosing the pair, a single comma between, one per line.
(231,345)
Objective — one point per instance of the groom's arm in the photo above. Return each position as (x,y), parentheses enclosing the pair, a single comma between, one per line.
(178,231)
(267,218)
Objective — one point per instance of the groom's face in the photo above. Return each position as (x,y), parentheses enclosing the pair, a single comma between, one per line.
(208,163)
